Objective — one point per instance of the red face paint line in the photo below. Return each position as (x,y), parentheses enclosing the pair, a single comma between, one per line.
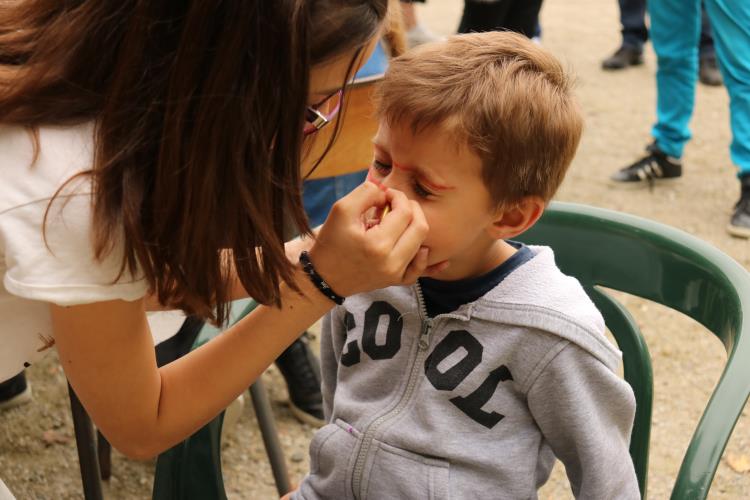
(376,182)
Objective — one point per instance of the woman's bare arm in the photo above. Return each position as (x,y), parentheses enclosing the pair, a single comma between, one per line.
(108,355)
(107,351)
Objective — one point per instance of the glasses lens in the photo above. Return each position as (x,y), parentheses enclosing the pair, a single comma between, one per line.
(323,113)
(331,106)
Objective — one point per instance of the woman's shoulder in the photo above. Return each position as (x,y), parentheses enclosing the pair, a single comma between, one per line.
(28,175)
(46,251)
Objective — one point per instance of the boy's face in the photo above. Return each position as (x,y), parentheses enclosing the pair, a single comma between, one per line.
(445,179)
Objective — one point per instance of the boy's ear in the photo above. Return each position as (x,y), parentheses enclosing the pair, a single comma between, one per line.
(515,219)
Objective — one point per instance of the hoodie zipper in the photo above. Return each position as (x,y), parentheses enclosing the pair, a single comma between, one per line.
(369,434)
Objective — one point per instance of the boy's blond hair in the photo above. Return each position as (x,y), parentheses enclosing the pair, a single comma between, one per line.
(504,96)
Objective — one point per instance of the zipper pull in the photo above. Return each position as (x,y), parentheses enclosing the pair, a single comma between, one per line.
(424,337)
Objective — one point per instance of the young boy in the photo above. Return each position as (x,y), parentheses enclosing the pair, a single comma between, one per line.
(469,383)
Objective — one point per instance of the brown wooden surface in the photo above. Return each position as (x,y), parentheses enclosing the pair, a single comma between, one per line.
(352,150)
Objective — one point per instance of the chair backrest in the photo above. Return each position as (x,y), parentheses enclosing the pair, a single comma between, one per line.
(356,125)
(603,248)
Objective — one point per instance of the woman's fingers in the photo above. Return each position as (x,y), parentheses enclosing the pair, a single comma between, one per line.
(391,228)
(360,200)
(417,266)
(353,257)
(405,250)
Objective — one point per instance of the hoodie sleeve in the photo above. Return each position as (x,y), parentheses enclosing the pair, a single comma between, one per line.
(332,337)
(585,412)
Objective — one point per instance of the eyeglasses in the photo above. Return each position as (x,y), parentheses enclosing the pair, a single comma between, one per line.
(319,115)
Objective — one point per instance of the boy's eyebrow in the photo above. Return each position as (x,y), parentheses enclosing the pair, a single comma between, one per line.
(420,172)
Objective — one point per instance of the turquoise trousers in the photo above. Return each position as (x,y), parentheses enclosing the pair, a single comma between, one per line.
(675,31)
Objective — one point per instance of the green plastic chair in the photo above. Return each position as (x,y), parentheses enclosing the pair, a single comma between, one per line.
(603,248)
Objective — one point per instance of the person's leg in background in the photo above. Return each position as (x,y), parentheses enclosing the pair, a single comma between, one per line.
(675,30)
(731,26)
(300,368)
(480,16)
(708,69)
(416,32)
(634,36)
(14,392)
(521,16)
(537,32)
(409,13)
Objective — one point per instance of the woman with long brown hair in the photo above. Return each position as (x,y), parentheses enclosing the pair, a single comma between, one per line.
(150,154)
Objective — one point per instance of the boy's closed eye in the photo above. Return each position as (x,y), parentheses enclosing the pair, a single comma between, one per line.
(383,169)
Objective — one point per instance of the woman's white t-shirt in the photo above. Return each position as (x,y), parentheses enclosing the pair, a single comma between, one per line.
(62,270)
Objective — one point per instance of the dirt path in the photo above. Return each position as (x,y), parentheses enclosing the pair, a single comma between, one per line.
(37,451)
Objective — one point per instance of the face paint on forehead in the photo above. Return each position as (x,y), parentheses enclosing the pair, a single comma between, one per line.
(372,179)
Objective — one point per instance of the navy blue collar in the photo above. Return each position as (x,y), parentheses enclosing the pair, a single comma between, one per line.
(442,297)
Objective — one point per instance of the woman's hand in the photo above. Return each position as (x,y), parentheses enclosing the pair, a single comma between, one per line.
(354,259)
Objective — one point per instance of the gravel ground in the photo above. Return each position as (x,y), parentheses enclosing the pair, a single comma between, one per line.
(37,450)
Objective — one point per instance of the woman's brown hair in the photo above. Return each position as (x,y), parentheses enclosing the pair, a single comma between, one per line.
(198,109)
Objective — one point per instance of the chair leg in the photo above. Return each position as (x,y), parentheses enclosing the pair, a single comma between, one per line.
(104,450)
(270,437)
(87,453)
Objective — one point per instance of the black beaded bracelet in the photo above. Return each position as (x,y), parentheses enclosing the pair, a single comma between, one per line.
(318,280)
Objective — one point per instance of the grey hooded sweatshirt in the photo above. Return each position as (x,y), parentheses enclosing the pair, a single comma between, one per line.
(476,403)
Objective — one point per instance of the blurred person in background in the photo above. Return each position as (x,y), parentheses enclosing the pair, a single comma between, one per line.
(521,16)
(635,35)
(416,32)
(675,31)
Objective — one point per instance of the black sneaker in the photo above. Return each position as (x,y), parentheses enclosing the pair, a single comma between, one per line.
(708,72)
(624,57)
(14,392)
(301,370)
(656,166)
(739,224)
